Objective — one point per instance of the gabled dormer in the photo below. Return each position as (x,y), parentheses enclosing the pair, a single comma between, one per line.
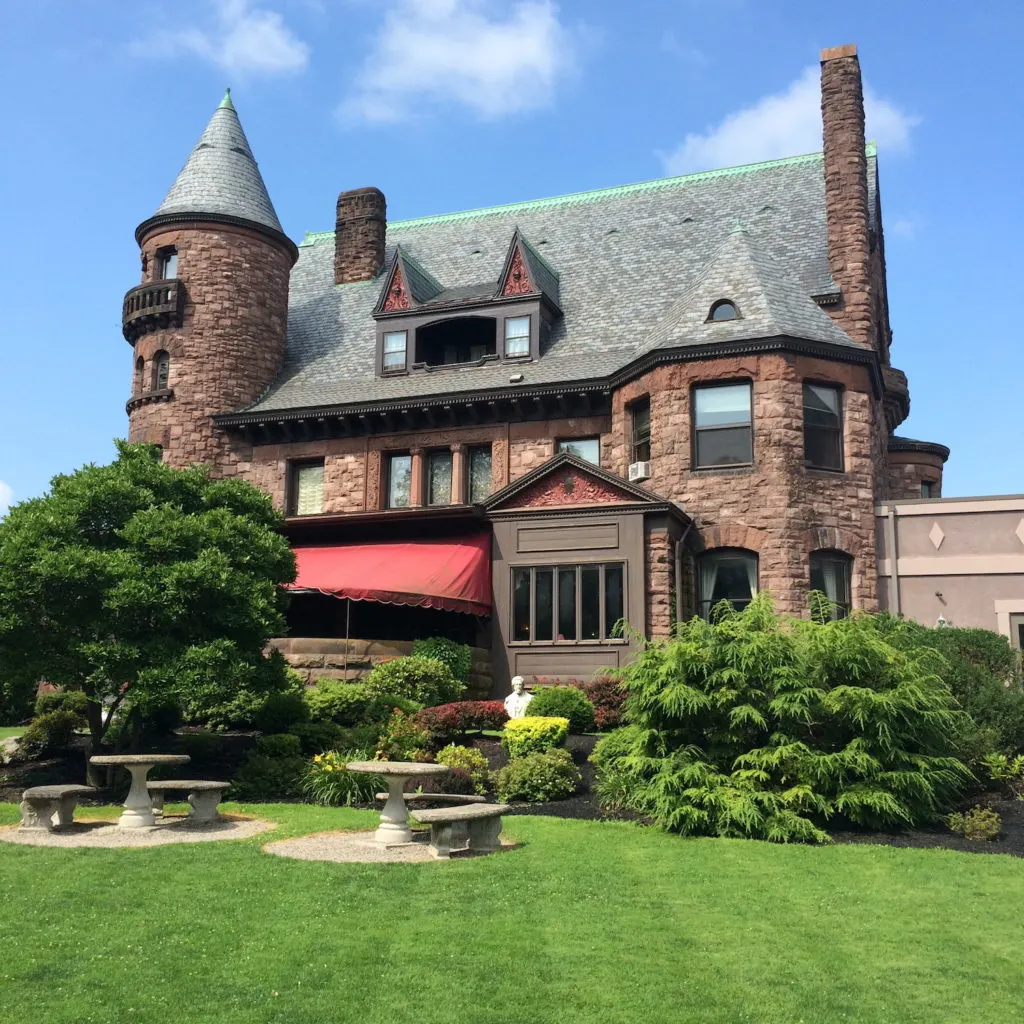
(423,325)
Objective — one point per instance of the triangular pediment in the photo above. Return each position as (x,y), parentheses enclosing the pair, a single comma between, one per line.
(408,285)
(566,480)
(526,272)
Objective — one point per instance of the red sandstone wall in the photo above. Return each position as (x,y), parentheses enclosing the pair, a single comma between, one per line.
(908,470)
(229,348)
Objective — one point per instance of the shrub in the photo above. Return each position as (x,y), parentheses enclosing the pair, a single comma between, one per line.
(327,781)
(280,744)
(458,657)
(425,680)
(334,701)
(280,711)
(449,721)
(466,759)
(1006,772)
(50,733)
(607,695)
(458,781)
(533,733)
(564,702)
(977,823)
(201,746)
(380,709)
(74,701)
(316,737)
(361,736)
(268,778)
(237,713)
(767,728)
(402,740)
(538,777)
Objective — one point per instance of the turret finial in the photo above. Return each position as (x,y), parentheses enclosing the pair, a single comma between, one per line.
(226,102)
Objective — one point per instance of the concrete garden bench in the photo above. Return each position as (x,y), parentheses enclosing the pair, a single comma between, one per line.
(482,821)
(39,804)
(203,797)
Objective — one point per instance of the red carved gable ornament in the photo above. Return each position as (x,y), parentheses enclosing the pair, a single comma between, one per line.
(398,294)
(517,280)
(568,486)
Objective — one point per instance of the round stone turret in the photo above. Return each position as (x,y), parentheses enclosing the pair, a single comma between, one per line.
(208,322)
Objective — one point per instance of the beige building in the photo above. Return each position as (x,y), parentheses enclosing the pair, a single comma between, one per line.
(959,560)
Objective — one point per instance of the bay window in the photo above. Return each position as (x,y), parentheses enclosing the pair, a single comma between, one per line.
(723,434)
(567,603)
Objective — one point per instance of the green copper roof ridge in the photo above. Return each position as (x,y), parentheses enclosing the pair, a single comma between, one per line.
(592,195)
(226,104)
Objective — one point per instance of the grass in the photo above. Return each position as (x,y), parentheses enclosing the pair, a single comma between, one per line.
(9,731)
(586,922)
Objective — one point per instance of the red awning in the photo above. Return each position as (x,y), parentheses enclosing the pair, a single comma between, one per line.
(451,574)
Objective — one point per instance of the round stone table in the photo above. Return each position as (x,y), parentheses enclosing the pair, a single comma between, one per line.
(138,807)
(394,818)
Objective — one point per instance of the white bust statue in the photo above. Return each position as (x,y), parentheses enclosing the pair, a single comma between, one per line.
(518,700)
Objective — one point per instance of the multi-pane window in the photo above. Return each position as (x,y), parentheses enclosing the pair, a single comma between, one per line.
(830,575)
(395,345)
(161,371)
(306,497)
(399,481)
(823,427)
(726,574)
(640,418)
(439,478)
(167,264)
(578,603)
(722,425)
(586,448)
(517,336)
(479,459)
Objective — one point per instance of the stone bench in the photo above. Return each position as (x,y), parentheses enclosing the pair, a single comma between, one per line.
(441,798)
(39,804)
(202,796)
(481,821)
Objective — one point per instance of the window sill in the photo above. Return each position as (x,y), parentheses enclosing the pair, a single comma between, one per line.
(161,395)
(617,642)
(825,470)
(735,469)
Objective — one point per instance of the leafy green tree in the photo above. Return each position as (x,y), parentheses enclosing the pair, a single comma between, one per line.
(139,584)
(760,726)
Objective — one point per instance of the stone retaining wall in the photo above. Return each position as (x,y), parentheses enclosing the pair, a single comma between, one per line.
(331,658)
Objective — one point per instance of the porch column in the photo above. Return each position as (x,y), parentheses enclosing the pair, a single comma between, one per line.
(416,484)
(459,496)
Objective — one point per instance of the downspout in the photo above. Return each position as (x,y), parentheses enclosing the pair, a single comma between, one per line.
(894,572)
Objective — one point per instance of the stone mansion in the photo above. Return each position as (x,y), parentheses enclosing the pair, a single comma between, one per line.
(518,425)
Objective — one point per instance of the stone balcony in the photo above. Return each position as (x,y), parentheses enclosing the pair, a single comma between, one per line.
(152,306)
(896,399)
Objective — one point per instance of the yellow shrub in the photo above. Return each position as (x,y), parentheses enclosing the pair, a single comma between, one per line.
(533,733)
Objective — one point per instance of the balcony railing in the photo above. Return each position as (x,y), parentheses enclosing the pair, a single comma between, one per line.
(151,306)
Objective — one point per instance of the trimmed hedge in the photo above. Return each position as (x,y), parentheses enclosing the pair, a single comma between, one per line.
(449,721)
(427,681)
(537,777)
(533,734)
(458,657)
(564,702)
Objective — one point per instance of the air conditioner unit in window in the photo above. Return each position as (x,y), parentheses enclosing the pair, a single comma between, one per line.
(639,471)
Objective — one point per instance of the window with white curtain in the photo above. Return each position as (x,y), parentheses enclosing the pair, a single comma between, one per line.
(726,574)
(830,575)
(306,496)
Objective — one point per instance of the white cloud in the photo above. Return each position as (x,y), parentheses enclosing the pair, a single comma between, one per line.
(494,62)
(785,124)
(244,39)
(6,494)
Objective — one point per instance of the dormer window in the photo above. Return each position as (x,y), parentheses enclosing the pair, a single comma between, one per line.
(723,309)
(461,340)
(167,264)
(517,336)
(396,345)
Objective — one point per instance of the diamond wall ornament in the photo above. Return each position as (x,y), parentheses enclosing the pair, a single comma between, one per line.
(1020,531)
(936,536)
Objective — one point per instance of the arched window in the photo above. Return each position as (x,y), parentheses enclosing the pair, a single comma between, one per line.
(830,575)
(726,574)
(139,384)
(161,371)
(724,309)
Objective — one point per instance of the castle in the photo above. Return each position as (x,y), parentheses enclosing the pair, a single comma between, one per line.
(517,425)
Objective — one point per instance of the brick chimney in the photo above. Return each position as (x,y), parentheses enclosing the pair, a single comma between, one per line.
(846,190)
(360,226)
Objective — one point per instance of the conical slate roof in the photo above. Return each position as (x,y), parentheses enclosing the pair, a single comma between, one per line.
(771,304)
(221,176)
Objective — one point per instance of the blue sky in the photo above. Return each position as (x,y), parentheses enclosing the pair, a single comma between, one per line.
(453,104)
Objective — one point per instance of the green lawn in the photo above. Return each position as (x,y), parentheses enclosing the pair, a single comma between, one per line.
(7,731)
(587,922)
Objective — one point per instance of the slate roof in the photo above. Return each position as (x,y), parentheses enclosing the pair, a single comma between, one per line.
(634,267)
(221,176)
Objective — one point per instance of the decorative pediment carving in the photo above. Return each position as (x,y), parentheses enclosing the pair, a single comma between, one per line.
(396,297)
(517,279)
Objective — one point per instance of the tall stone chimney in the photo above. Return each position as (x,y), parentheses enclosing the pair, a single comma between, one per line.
(846,190)
(361,224)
